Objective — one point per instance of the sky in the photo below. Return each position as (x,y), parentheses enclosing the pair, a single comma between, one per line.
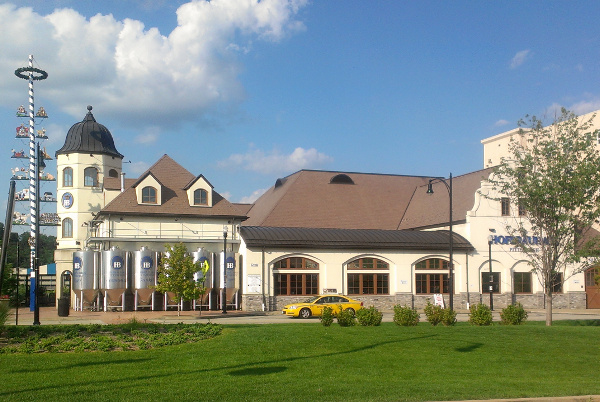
(246,91)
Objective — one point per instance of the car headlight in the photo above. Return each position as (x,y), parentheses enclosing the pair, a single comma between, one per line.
(292,307)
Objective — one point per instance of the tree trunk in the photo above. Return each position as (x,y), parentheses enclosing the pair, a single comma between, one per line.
(548,308)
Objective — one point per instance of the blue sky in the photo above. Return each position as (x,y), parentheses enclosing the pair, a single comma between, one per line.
(245,92)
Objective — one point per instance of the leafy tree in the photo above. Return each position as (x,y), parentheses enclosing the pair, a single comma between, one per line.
(552,173)
(176,274)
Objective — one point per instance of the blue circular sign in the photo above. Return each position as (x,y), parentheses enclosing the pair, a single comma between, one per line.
(147,262)
(67,200)
(116,262)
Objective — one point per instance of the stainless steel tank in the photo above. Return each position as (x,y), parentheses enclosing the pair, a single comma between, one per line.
(115,276)
(144,276)
(85,277)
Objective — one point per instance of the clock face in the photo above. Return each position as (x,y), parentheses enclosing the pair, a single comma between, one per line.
(67,200)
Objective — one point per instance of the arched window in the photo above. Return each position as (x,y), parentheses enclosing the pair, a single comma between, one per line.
(68,177)
(149,195)
(113,173)
(67,228)
(90,177)
(200,197)
(296,283)
(368,283)
(431,282)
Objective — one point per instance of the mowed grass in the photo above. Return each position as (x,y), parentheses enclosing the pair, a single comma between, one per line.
(305,362)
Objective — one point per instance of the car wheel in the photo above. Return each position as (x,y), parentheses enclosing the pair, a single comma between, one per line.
(351,311)
(305,313)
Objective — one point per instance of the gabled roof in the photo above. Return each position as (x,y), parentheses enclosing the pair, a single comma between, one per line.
(255,236)
(193,181)
(309,199)
(174,198)
(342,200)
(143,177)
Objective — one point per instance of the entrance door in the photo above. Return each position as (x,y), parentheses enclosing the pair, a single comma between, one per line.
(592,289)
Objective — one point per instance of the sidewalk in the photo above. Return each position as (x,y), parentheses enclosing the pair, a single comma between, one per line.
(49,315)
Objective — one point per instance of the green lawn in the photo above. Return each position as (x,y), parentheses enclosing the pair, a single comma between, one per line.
(307,362)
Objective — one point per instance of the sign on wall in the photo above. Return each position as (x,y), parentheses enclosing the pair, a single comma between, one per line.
(254,283)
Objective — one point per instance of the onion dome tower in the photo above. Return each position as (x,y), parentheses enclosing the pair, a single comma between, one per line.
(87,157)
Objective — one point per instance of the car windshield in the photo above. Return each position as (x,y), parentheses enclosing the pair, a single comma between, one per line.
(311,299)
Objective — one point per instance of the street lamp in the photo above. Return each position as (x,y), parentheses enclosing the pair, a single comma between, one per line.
(490,240)
(448,185)
(224,297)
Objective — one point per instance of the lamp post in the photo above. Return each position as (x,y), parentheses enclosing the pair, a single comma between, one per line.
(224,297)
(448,185)
(490,239)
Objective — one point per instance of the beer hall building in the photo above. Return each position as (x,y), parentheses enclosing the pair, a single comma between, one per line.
(378,238)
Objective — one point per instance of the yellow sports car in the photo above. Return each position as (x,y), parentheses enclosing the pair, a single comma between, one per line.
(314,306)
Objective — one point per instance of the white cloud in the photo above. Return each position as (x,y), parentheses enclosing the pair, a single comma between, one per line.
(149,136)
(131,71)
(256,160)
(249,199)
(519,58)
(579,107)
(501,123)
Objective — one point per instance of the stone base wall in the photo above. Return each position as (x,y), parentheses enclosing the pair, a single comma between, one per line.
(572,300)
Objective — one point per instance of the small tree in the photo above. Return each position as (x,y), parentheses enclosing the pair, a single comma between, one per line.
(552,173)
(176,274)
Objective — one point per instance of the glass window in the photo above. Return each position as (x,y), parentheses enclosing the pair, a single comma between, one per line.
(368,263)
(432,263)
(200,197)
(557,282)
(113,173)
(505,206)
(149,195)
(67,228)
(368,284)
(68,177)
(522,282)
(90,175)
(522,211)
(485,282)
(431,283)
(591,276)
(296,263)
(296,284)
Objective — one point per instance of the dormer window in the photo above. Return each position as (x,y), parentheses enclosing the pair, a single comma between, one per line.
(200,197)
(90,175)
(148,195)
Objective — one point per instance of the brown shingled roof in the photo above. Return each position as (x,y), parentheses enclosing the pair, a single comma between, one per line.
(307,199)
(174,178)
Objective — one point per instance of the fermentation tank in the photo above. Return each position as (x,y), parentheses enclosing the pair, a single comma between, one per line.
(145,263)
(115,277)
(85,277)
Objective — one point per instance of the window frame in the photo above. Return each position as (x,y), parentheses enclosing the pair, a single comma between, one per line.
(485,283)
(67,173)
(202,192)
(93,177)
(519,285)
(148,197)
(429,279)
(368,283)
(67,228)
(505,206)
(295,263)
(307,283)
(557,282)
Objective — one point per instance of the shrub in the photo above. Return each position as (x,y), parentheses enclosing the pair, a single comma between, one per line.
(405,316)
(448,317)
(327,316)
(513,314)
(434,313)
(4,313)
(480,314)
(369,317)
(346,318)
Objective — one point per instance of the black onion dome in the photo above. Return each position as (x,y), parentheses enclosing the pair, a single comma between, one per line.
(88,136)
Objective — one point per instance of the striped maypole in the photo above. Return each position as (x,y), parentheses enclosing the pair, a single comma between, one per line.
(33,179)
(32,171)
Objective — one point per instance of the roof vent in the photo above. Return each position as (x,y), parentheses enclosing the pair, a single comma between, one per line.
(341,179)
(280,182)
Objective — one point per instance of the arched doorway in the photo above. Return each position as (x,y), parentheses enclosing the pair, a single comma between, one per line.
(592,288)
